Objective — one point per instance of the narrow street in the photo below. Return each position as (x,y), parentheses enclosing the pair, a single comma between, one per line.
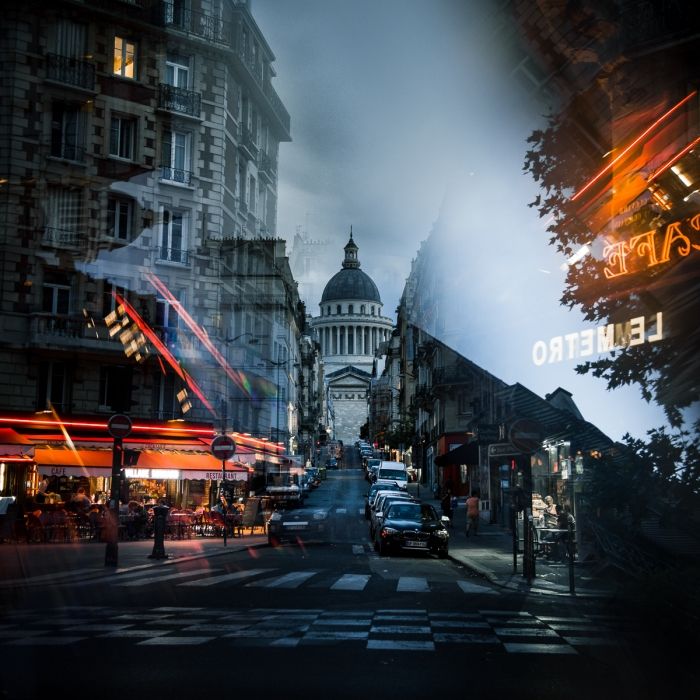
(389,623)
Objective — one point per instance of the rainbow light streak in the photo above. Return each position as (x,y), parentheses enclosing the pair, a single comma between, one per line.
(673,160)
(148,332)
(639,138)
(239,379)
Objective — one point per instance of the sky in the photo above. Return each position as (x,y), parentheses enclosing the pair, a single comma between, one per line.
(406,118)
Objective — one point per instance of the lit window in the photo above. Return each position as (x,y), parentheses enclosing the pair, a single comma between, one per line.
(124,58)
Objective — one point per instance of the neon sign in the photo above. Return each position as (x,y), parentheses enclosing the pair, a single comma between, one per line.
(600,339)
(645,245)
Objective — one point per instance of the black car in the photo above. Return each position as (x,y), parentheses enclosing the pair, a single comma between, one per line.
(408,526)
(301,524)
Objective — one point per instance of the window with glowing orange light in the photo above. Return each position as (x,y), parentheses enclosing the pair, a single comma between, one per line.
(124,58)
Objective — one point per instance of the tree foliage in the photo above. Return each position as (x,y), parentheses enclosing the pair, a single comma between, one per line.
(561,164)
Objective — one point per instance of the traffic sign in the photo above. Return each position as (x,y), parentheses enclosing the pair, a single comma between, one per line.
(223,447)
(526,434)
(119,425)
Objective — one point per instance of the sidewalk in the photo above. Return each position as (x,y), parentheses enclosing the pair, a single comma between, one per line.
(39,563)
(490,554)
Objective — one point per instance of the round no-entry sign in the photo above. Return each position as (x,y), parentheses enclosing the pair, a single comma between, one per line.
(526,434)
(119,425)
(223,447)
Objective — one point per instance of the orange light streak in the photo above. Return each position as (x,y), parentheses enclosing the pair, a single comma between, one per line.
(673,160)
(160,346)
(67,437)
(639,138)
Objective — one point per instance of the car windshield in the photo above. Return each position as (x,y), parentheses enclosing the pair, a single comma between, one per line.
(405,511)
(397,474)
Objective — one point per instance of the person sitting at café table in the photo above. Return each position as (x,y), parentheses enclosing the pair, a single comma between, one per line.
(81,500)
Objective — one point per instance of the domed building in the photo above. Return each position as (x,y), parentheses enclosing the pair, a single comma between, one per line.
(349,329)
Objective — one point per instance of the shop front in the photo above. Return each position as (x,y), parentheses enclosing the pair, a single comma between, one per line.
(44,461)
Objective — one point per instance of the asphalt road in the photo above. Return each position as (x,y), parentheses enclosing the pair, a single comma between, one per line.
(330,619)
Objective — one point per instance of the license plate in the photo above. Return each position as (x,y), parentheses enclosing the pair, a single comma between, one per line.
(415,543)
(295,526)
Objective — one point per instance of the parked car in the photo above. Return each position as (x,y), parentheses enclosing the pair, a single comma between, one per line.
(304,524)
(374,490)
(411,526)
(371,462)
(392,472)
(378,511)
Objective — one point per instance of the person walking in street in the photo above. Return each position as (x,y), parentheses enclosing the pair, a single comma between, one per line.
(446,505)
(473,514)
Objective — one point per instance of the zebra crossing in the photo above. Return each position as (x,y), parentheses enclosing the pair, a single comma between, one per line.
(504,631)
(271,577)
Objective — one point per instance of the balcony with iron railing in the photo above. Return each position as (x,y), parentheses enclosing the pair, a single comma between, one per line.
(267,167)
(176,175)
(70,71)
(247,144)
(173,255)
(70,331)
(198,24)
(62,238)
(424,398)
(179,100)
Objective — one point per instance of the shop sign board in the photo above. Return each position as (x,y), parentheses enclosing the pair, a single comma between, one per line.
(503,449)
(119,426)
(487,433)
(223,447)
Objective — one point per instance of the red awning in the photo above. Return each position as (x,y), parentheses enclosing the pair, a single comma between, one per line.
(153,464)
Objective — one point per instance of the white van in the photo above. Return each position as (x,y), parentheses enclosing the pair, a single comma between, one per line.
(389,472)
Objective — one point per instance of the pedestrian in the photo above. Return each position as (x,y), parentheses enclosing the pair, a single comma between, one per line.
(446,505)
(473,514)
(565,519)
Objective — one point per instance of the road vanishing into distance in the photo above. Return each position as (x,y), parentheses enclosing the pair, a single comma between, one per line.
(329,619)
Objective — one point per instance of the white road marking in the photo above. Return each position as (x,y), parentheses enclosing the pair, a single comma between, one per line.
(520,648)
(293,579)
(236,576)
(157,579)
(175,641)
(407,644)
(351,582)
(469,587)
(412,584)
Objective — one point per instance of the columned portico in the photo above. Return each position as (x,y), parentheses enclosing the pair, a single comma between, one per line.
(350,329)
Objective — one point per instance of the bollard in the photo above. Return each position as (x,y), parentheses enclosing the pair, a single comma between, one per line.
(110,534)
(571,551)
(160,514)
